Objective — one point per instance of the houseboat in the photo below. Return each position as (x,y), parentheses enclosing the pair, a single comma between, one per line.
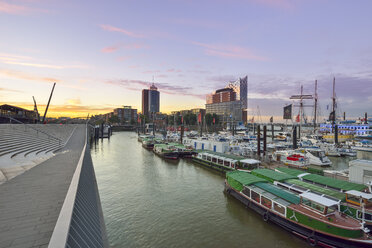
(308,215)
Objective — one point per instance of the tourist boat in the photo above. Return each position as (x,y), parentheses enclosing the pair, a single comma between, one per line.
(184,151)
(291,158)
(166,151)
(224,162)
(308,215)
(353,201)
(144,136)
(148,143)
(316,156)
(358,205)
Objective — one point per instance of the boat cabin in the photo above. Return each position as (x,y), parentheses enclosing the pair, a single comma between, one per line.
(214,158)
(319,203)
(359,198)
(266,199)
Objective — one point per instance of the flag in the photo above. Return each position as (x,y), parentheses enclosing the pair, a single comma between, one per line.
(271,119)
(181,119)
(199,117)
(298,118)
(138,119)
(287,115)
(214,120)
(252,120)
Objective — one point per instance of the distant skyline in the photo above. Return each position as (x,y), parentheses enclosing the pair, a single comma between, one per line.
(103,53)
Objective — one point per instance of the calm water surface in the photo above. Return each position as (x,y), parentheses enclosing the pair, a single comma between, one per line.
(149,202)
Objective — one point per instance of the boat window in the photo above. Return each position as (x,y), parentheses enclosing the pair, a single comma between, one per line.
(331,209)
(313,205)
(247,191)
(279,208)
(220,161)
(266,202)
(353,199)
(255,196)
(227,163)
(367,216)
(214,160)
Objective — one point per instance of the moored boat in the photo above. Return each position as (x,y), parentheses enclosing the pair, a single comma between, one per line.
(291,158)
(311,216)
(224,162)
(166,151)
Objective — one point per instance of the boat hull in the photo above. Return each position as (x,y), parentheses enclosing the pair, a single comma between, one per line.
(311,236)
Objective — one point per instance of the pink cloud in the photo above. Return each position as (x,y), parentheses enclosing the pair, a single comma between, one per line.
(17,9)
(121,30)
(116,47)
(229,51)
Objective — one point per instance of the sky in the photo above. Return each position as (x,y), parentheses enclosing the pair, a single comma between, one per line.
(102,54)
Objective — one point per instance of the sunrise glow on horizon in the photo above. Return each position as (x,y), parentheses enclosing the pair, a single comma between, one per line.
(102,54)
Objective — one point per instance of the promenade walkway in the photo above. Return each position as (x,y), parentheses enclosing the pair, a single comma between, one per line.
(31,202)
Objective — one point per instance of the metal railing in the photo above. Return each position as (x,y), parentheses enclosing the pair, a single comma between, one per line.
(80,222)
(35,129)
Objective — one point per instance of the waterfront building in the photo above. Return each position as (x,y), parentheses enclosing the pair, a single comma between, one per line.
(240,86)
(154,99)
(227,112)
(150,100)
(20,114)
(126,114)
(230,103)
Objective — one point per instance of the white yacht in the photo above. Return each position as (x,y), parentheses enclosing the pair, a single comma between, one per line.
(316,156)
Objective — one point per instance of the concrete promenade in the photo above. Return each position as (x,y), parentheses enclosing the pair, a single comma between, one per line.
(30,203)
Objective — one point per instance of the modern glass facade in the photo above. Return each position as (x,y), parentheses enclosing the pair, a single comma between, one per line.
(154,101)
(227,111)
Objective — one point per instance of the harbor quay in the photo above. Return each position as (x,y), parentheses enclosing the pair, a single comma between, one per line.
(49,196)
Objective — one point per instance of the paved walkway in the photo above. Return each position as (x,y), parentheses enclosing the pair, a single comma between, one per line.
(30,203)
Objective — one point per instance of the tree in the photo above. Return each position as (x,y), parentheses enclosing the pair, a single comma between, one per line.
(114,119)
(208,119)
(171,120)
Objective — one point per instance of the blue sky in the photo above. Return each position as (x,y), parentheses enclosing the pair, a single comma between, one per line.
(102,53)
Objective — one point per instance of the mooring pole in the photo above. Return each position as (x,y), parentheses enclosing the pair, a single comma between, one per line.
(258,141)
(294,137)
(264,141)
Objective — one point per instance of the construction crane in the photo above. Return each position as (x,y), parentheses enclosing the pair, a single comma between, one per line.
(37,117)
(50,97)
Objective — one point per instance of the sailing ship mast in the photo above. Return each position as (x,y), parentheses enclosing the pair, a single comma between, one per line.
(315,103)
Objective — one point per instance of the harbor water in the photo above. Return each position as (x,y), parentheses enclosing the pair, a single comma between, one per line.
(151,202)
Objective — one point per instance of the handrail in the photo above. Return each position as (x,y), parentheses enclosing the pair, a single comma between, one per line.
(37,130)
(62,227)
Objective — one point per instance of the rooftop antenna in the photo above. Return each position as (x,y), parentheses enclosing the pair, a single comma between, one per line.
(50,97)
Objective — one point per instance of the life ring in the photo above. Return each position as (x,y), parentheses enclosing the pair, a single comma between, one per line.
(265,216)
(312,240)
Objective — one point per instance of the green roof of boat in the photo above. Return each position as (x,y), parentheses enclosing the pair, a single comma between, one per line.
(334,183)
(235,157)
(244,178)
(288,196)
(272,175)
(290,171)
(316,188)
